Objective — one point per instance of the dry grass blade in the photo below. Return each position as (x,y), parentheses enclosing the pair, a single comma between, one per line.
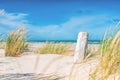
(16,42)
(54,48)
(2,46)
(110,58)
(50,77)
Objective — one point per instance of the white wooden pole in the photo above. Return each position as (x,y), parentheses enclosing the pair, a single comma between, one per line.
(81,46)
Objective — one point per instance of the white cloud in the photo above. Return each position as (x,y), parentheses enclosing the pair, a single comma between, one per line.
(12,20)
(95,25)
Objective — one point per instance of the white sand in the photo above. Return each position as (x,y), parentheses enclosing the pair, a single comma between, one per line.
(48,64)
(25,68)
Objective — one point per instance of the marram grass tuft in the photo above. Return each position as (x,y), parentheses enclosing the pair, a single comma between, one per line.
(16,42)
(110,57)
(54,48)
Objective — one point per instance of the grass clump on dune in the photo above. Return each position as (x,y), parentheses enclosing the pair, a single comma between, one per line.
(54,48)
(2,46)
(16,42)
(110,57)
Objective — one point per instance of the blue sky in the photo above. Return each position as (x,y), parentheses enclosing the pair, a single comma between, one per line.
(59,19)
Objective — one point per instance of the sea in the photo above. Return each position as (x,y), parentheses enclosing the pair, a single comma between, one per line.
(66,41)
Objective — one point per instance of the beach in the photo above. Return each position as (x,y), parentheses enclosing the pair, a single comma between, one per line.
(59,40)
(31,65)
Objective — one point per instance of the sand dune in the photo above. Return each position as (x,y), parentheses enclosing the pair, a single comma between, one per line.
(48,64)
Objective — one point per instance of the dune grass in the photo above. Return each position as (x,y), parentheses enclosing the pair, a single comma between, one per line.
(110,56)
(54,48)
(16,42)
(2,46)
